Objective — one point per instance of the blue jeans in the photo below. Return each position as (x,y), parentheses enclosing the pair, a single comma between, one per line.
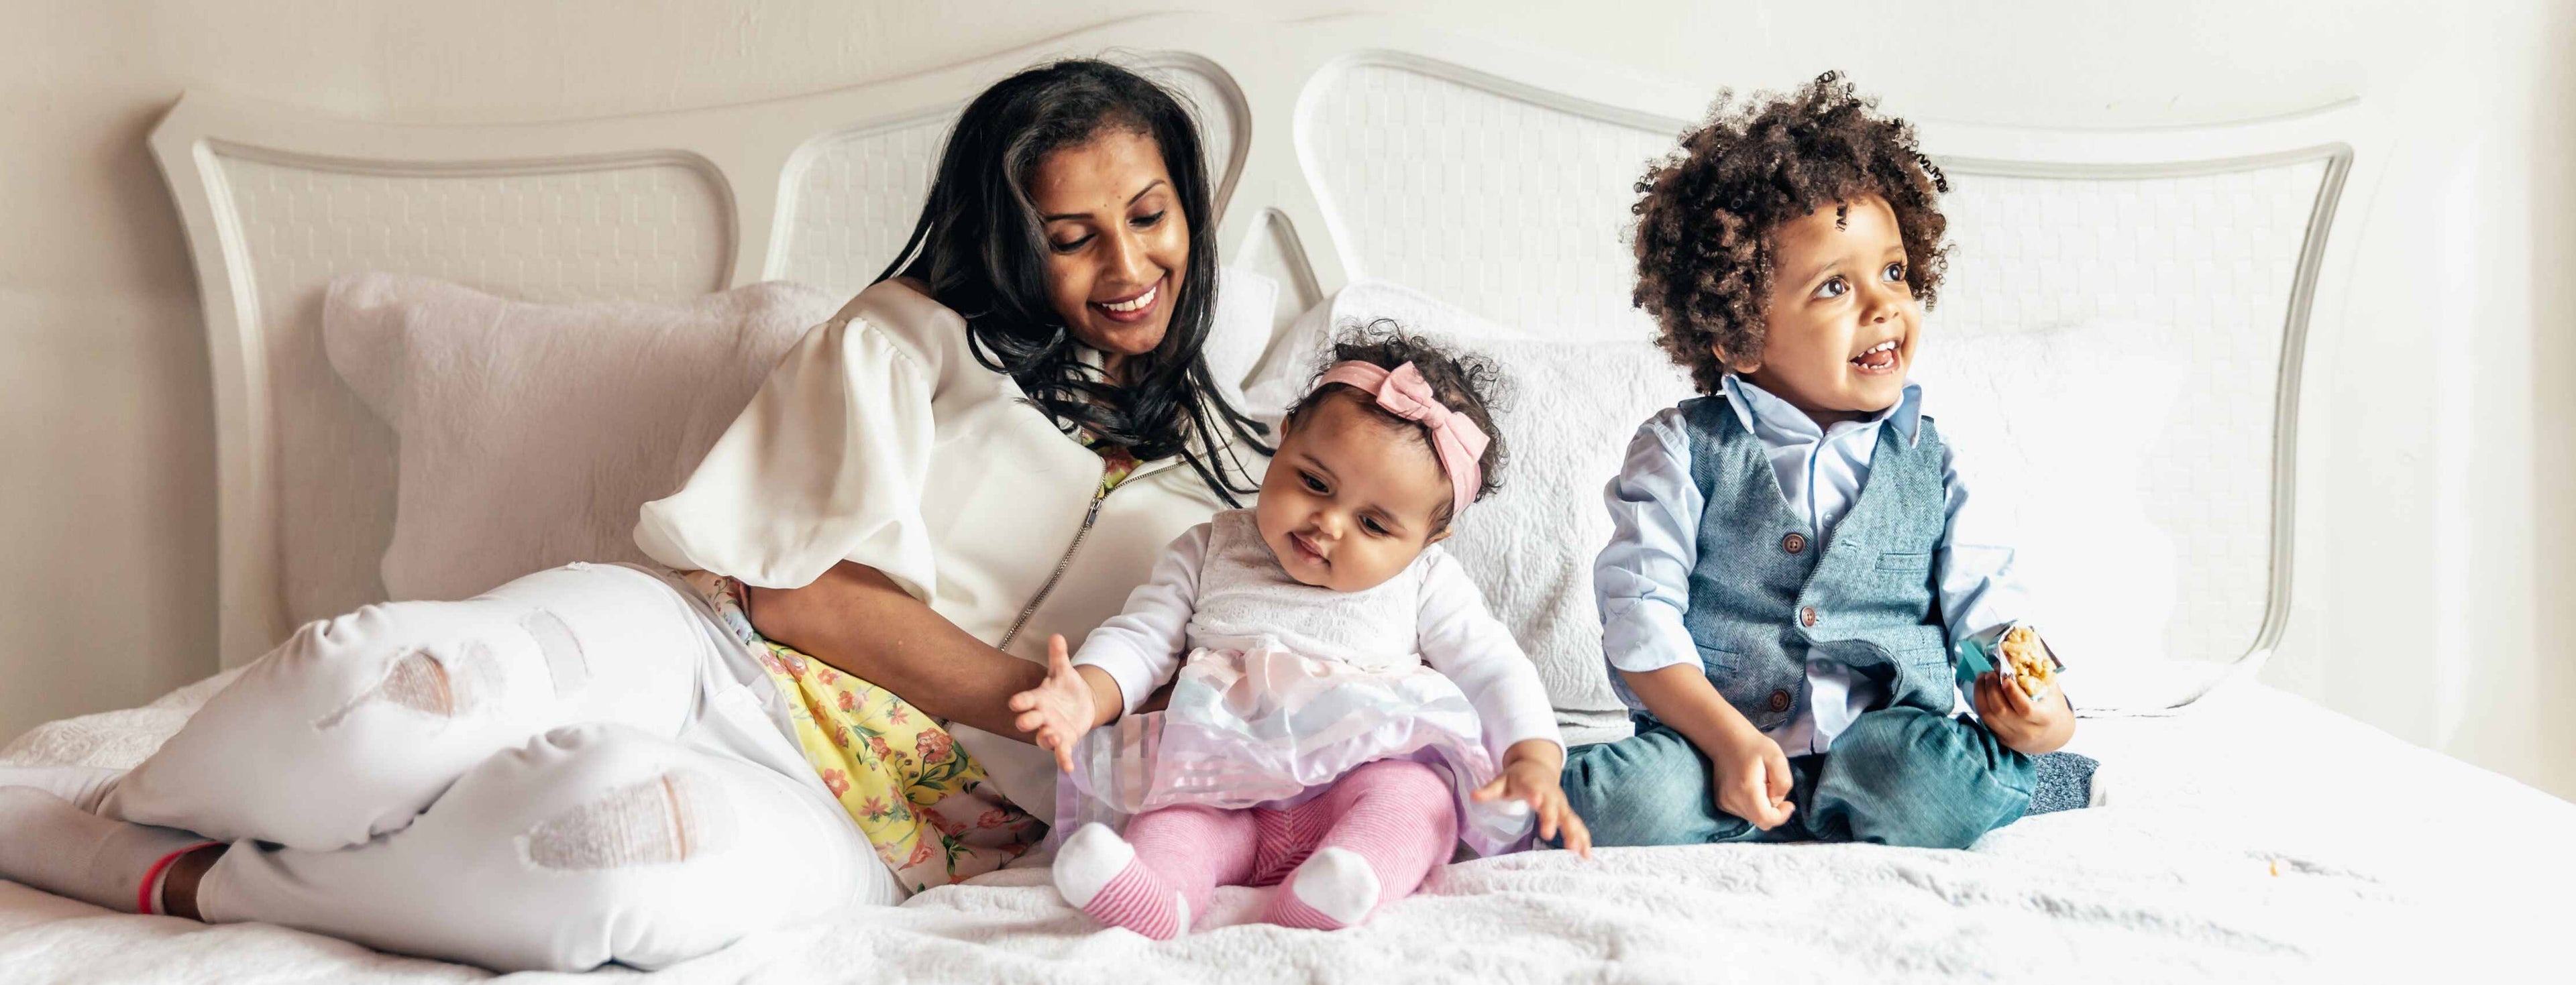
(1897,776)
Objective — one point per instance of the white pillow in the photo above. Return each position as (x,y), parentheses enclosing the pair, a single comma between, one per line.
(1569,412)
(530,434)
(1281,375)
(2055,430)
(1239,329)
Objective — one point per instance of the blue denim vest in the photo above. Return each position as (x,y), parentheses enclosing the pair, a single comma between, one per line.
(1769,592)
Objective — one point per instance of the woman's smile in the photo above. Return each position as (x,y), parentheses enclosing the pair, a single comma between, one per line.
(1118,242)
(1134,308)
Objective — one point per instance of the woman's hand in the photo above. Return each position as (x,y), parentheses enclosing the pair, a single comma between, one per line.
(1529,775)
(1751,776)
(2030,726)
(1061,708)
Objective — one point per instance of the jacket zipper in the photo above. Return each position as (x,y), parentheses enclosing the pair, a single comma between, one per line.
(1089,516)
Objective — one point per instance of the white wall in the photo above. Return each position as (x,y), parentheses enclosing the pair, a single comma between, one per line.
(2442,602)
(2440,477)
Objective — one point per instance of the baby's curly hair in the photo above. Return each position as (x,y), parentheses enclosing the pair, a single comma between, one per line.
(1464,382)
(1706,212)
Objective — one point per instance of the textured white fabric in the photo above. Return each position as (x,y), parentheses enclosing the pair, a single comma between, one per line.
(880,439)
(2175,881)
(1239,329)
(2102,563)
(530,433)
(2169,298)
(1244,595)
(81,786)
(1429,613)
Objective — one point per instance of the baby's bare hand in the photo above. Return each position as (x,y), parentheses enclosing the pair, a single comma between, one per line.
(1535,783)
(1058,711)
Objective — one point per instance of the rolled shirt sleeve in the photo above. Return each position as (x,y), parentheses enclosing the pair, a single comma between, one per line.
(1978,587)
(1641,581)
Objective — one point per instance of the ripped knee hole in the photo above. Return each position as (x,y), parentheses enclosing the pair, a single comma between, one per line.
(671,818)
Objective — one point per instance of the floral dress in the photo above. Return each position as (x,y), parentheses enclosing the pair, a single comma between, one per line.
(919,799)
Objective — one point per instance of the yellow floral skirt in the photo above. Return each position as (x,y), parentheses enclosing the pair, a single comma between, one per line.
(917,797)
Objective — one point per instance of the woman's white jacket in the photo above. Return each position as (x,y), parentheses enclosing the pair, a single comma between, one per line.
(880,439)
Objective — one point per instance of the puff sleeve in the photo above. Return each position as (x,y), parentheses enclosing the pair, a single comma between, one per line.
(828,463)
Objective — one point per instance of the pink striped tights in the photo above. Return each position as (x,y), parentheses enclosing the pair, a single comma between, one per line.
(1367,841)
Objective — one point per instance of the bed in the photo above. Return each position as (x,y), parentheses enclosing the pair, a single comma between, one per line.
(2248,834)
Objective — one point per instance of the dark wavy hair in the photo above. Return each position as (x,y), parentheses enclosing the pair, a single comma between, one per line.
(1706,212)
(1464,382)
(979,246)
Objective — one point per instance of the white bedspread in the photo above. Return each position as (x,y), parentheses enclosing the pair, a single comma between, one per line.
(2253,837)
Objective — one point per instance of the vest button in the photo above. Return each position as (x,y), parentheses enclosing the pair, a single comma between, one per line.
(1794,543)
(1779,701)
(1807,615)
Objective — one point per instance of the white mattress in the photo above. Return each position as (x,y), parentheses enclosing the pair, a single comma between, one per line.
(2256,836)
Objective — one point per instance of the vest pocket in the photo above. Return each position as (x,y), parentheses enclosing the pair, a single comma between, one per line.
(1905,561)
(1714,660)
(1932,660)
(1761,687)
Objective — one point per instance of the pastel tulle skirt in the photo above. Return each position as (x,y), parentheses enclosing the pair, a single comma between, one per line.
(1265,727)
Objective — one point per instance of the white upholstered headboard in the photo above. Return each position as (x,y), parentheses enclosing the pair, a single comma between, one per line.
(1495,179)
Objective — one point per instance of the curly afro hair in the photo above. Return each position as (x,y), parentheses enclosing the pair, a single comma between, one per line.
(1706,212)
(1464,382)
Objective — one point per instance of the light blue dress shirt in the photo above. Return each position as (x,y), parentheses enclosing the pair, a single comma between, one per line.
(1642,580)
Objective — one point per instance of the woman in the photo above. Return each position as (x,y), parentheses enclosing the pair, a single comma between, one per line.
(605,763)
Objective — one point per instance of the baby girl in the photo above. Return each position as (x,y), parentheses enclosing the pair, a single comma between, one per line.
(1346,697)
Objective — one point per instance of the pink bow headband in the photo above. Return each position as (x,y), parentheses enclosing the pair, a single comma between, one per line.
(1457,441)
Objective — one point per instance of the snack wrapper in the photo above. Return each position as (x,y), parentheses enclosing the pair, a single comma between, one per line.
(1984,652)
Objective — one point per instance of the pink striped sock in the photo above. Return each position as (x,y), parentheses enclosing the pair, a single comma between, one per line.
(1387,823)
(1140,901)
(1163,874)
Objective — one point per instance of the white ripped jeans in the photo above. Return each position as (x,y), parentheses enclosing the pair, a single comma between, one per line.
(575,768)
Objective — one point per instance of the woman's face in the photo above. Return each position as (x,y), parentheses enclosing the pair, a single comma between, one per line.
(1116,242)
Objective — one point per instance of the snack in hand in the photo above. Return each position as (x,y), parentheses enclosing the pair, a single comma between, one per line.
(2033,668)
